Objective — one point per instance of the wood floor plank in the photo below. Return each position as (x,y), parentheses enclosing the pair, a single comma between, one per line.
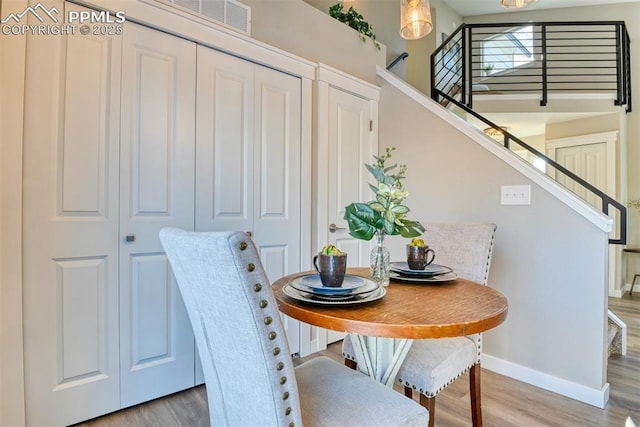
(505,402)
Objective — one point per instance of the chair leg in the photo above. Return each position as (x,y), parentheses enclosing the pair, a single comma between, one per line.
(408,392)
(633,283)
(430,404)
(474,389)
(351,364)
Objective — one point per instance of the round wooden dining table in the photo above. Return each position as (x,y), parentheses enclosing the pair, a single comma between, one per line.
(408,311)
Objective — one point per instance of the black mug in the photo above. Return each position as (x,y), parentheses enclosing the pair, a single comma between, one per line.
(332,269)
(418,257)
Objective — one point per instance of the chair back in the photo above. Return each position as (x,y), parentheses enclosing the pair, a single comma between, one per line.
(465,247)
(245,357)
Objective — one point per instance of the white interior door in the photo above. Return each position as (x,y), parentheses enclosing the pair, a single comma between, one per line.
(277,176)
(70,232)
(224,143)
(593,158)
(248,161)
(351,145)
(588,162)
(156,190)
(347,126)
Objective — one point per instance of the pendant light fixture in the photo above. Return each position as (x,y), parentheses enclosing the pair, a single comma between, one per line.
(516,4)
(415,19)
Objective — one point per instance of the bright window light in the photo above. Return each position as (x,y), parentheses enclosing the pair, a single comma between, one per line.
(507,50)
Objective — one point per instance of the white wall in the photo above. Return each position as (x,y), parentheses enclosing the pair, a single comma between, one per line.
(299,28)
(549,261)
(384,18)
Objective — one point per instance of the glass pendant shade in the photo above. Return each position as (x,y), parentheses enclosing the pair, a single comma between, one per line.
(415,19)
(515,4)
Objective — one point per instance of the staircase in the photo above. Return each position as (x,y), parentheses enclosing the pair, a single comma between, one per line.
(539,58)
(616,335)
(536,58)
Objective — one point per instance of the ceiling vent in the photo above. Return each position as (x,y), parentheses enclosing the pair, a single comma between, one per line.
(228,12)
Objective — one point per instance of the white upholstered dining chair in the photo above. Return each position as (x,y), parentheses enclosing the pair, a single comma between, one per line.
(248,370)
(433,364)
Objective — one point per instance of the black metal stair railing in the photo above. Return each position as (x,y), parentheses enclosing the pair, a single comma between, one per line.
(534,57)
(540,58)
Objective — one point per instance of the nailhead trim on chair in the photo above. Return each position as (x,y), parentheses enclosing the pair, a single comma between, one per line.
(404,383)
(272,334)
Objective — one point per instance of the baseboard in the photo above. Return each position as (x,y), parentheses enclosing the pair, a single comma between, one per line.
(597,398)
(616,293)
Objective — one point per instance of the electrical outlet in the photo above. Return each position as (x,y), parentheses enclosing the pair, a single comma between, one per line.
(515,195)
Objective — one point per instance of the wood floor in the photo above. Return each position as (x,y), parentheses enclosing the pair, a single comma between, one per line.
(505,402)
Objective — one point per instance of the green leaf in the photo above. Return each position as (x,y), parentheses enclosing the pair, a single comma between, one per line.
(377,172)
(363,221)
(376,206)
(411,229)
(400,209)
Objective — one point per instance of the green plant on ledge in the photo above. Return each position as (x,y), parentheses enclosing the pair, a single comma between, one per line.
(355,21)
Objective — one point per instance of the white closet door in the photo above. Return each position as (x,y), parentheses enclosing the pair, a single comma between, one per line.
(277,173)
(248,161)
(224,143)
(156,190)
(70,228)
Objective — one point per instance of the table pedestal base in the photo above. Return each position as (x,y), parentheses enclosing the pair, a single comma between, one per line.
(380,358)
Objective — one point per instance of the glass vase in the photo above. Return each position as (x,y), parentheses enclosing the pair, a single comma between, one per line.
(380,258)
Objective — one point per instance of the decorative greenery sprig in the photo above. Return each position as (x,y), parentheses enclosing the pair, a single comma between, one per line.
(634,204)
(355,21)
(386,214)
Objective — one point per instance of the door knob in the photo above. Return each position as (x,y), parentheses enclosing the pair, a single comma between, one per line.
(130,238)
(333,228)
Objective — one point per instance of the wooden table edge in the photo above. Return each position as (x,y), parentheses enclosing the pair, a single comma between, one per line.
(309,314)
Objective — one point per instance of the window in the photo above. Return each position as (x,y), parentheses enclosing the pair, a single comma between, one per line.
(508,50)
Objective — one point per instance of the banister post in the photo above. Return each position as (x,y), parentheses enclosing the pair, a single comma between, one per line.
(543,40)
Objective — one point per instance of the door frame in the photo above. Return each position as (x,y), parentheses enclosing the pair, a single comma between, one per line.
(13,53)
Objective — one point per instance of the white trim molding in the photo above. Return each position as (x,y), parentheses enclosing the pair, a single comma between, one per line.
(582,393)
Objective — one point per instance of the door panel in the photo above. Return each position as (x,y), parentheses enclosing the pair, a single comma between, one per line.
(589,162)
(277,172)
(350,146)
(277,169)
(70,231)
(156,190)
(224,143)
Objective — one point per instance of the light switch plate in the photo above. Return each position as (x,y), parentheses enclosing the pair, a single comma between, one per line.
(515,195)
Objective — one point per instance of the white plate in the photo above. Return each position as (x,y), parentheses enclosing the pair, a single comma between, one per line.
(314,299)
(440,278)
(367,286)
(312,283)
(430,270)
